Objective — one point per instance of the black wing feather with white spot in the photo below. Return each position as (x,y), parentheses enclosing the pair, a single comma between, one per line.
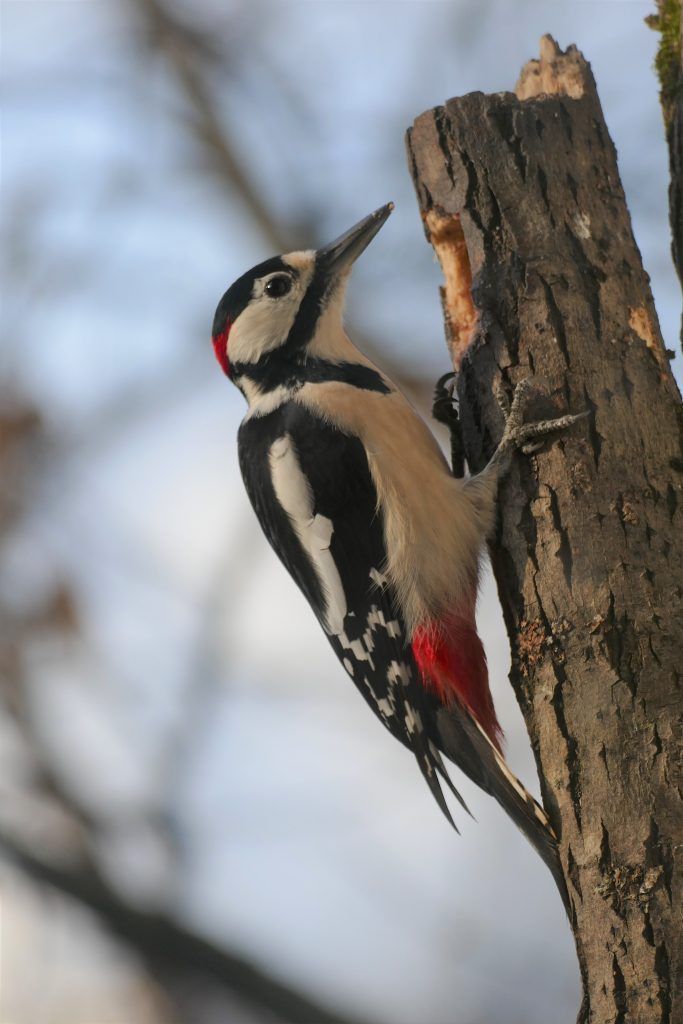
(340,541)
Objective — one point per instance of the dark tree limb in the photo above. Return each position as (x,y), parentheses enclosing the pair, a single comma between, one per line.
(521,197)
(171,950)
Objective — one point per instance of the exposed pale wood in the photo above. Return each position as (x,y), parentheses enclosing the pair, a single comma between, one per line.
(589,557)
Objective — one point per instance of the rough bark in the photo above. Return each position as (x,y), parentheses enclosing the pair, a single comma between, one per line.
(521,198)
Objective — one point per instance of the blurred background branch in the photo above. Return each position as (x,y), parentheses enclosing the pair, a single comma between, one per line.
(178,959)
(183,964)
(189,52)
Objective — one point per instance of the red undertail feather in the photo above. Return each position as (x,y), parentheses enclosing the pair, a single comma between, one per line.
(451,660)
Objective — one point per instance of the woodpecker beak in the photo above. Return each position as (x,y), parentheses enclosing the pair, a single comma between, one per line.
(339,255)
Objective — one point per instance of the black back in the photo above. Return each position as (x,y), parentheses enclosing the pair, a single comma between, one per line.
(375,648)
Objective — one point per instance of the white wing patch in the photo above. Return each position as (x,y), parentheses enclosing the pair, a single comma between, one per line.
(363,647)
(398,670)
(294,493)
(358,648)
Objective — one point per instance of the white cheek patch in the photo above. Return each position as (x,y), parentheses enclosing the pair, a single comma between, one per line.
(314,532)
(263,326)
(265,323)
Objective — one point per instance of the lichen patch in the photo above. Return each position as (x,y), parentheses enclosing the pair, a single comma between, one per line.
(582,225)
(531,642)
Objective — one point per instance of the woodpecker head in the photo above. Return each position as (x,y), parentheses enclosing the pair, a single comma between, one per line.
(277,315)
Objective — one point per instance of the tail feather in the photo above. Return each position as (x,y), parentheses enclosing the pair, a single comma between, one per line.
(466,743)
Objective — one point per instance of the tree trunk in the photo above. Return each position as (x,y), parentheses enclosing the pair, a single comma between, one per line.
(521,199)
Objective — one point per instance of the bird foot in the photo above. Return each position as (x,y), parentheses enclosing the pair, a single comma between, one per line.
(529,437)
(444,405)
(445,410)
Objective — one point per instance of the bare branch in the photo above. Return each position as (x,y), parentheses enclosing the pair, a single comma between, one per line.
(168,947)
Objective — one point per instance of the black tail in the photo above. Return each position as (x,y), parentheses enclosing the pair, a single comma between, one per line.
(465,743)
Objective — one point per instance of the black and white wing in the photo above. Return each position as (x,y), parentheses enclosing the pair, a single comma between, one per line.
(313,493)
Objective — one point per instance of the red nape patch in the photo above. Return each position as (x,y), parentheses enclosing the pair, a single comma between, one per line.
(451,660)
(220,347)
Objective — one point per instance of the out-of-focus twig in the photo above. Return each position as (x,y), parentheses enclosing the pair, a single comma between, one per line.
(178,44)
(170,948)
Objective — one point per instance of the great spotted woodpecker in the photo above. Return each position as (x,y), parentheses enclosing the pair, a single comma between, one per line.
(355,496)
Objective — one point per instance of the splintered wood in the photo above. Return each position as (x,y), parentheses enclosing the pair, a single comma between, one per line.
(460,316)
(554,73)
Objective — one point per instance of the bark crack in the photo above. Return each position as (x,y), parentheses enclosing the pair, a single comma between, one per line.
(556,321)
(619,991)
(571,758)
(664,977)
(564,549)
(591,277)
(573,870)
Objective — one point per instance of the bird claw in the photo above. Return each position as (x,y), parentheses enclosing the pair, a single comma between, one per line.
(443,407)
(529,437)
(502,398)
(445,410)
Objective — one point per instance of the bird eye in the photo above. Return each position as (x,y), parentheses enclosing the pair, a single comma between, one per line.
(278,286)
